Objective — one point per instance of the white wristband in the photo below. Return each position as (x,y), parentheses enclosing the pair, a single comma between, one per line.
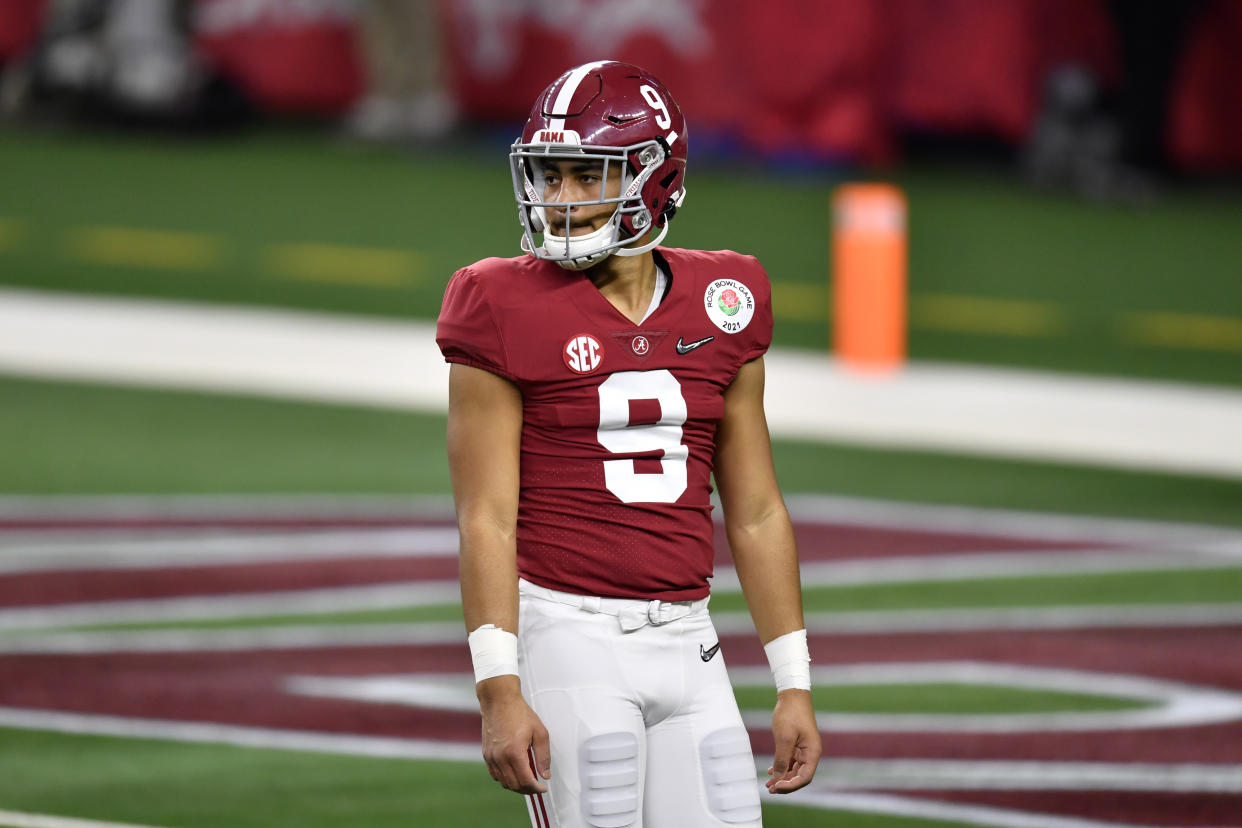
(493,651)
(790,659)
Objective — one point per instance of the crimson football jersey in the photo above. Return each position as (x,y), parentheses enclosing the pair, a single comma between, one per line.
(619,420)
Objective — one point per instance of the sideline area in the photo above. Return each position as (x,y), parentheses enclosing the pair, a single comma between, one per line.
(1153,426)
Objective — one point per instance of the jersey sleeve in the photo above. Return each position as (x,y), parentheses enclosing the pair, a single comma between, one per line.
(466,331)
(760,328)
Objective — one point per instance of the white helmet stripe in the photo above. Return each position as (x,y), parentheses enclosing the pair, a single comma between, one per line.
(563,98)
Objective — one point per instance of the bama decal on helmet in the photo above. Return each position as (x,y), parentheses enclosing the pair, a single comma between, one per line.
(558,136)
(729,305)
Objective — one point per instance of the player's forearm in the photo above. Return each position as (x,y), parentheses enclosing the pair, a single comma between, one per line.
(488,573)
(766,558)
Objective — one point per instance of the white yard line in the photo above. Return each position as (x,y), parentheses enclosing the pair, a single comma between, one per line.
(255,605)
(163,548)
(17,819)
(979,815)
(834,776)
(804,508)
(252,638)
(975,520)
(1006,618)
(221,734)
(926,568)
(395,595)
(1175,704)
(33,640)
(269,353)
(205,506)
(1158,426)
(1023,775)
(1170,704)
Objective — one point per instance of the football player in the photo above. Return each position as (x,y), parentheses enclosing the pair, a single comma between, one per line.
(596,386)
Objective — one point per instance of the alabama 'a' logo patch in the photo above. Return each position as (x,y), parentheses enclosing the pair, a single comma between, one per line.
(729,304)
(582,353)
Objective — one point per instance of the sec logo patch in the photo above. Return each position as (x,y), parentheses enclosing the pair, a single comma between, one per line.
(582,354)
(729,305)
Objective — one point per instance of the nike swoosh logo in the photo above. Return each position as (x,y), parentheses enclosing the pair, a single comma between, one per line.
(708,655)
(685,348)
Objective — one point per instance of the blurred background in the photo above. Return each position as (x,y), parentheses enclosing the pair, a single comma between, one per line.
(226,227)
(1070,170)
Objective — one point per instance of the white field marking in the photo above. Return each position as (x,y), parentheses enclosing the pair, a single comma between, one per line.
(821,794)
(973,520)
(1176,704)
(729,624)
(437,691)
(1162,426)
(1029,415)
(163,549)
(1001,618)
(202,506)
(1021,775)
(239,639)
(980,815)
(267,353)
(924,568)
(256,737)
(804,508)
(17,819)
(257,605)
(253,638)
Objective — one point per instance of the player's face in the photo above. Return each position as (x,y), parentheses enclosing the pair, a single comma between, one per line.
(569,180)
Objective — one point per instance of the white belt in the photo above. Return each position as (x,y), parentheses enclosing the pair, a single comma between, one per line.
(632,613)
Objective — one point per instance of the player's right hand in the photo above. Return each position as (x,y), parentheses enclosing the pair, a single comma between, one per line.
(511,731)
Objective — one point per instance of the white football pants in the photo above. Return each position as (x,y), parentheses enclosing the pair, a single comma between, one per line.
(645,731)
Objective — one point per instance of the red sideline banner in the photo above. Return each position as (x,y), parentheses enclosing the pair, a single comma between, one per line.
(832,79)
(20,21)
(780,77)
(841,78)
(289,55)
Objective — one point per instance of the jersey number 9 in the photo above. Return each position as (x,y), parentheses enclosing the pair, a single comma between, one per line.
(619,437)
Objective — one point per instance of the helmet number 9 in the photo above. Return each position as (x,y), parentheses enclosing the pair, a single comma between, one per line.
(619,437)
(663,120)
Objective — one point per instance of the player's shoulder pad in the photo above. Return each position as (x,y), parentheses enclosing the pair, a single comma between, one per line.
(715,264)
(710,266)
(490,270)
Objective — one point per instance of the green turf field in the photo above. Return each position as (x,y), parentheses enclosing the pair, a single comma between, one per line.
(997,274)
(952,699)
(293,219)
(208,786)
(138,440)
(1190,586)
(1154,589)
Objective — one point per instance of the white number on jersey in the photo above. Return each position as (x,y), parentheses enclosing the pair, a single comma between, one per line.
(619,437)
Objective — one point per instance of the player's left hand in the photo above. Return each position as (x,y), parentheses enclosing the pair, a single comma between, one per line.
(798,746)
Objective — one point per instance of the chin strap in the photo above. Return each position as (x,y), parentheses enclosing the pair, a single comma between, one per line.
(583,262)
(638,251)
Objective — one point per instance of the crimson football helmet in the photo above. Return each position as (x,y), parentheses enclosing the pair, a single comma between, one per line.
(621,117)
